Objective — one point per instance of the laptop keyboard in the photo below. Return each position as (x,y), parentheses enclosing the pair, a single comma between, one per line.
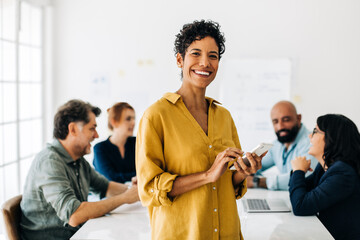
(258,204)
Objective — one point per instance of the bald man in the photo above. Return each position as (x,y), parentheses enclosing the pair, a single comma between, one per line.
(292,140)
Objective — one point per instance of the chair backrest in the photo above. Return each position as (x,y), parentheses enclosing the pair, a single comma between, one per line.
(11,212)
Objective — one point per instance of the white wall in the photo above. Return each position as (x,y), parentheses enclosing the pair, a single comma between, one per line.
(130,45)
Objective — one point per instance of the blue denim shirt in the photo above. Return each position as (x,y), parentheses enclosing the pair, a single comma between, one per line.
(55,187)
(281,157)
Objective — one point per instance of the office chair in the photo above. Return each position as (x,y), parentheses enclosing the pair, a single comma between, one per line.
(11,213)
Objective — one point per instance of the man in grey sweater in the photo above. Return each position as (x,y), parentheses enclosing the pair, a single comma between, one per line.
(54,203)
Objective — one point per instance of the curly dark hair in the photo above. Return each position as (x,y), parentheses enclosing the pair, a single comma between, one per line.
(198,30)
(342,140)
(72,111)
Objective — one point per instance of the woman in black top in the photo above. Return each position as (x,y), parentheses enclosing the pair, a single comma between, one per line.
(115,157)
(332,192)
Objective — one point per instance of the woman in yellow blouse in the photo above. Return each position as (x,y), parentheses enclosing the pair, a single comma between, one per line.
(184,147)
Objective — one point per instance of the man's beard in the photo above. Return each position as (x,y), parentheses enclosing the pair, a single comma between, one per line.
(292,133)
(81,151)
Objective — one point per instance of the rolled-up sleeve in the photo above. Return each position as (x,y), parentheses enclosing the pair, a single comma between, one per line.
(154,182)
(54,183)
(242,189)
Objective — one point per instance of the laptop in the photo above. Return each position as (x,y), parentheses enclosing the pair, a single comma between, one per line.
(258,205)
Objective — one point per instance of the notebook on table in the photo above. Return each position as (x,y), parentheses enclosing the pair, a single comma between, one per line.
(261,205)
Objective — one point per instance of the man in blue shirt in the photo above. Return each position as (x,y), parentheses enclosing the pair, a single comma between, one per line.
(54,203)
(292,140)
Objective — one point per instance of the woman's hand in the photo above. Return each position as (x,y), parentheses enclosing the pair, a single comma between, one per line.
(183,184)
(221,163)
(301,163)
(255,163)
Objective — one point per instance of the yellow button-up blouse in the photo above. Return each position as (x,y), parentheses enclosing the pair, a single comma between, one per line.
(171,143)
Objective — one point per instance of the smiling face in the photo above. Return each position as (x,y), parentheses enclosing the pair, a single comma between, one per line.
(317,140)
(126,124)
(286,121)
(85,134)
(200,64)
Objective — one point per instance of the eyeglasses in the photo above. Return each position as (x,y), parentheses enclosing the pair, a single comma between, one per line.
(316,131)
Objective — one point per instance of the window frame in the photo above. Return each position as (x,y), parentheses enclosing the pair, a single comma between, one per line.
(19,161)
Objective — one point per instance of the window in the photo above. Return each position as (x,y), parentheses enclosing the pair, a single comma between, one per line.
(21,92)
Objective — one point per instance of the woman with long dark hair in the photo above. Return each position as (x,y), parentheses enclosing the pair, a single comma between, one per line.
(332,192)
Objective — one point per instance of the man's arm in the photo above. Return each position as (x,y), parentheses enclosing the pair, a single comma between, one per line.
(115,188)
(118,195)
(281,181)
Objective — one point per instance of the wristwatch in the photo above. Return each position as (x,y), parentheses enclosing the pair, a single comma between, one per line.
(256,180)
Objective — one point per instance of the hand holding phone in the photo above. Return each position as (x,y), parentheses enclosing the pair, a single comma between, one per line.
(258,150)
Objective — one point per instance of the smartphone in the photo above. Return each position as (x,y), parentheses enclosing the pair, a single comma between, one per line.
(258,150)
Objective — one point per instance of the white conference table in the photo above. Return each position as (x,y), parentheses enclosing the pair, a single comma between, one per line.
(131,222)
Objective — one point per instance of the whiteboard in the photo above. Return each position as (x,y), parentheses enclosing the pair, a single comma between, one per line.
(248,89)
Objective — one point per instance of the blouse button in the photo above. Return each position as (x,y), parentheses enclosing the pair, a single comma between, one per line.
(215,229)
(210,146)
(215,210)
(214,188)
(152,190)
